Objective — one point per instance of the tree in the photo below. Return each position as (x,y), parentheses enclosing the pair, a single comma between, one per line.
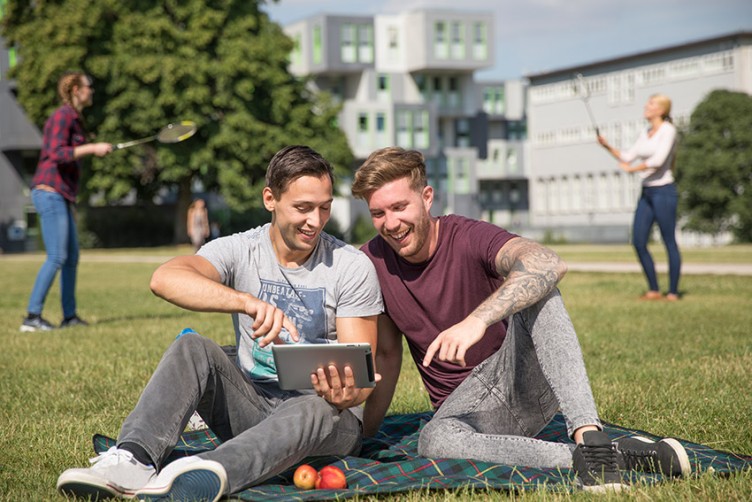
(715,166)
(221,64)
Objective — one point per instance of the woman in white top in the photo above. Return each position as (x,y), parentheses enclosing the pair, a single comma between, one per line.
(652,157)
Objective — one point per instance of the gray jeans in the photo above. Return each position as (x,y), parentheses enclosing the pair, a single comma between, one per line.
(494,414)
(264,430)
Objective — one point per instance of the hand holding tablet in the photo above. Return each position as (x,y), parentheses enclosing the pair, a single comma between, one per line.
(295,363)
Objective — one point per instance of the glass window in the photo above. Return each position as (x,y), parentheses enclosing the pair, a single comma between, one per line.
(393,52)
(420,121)
(348,43)
(383,83)
(317,48)
(363,122)
(365,43)
(363,131)
(404,129)
(480,42)
(458,40)
(440,47)
(297,52)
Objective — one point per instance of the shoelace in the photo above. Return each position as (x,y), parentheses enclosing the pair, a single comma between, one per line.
(111,457)
(635,458)
(600,457)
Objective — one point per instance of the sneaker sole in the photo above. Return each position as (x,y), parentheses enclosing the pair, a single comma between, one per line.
(681,453)
(199,485)
(93,488)
(606,488)
(32,329)
(684,465)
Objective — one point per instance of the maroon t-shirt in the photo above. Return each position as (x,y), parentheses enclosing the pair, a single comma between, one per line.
(426,298)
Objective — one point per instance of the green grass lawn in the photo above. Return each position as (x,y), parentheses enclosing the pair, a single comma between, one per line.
(679,369)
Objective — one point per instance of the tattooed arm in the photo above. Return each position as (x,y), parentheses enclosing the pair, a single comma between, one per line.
(531,272)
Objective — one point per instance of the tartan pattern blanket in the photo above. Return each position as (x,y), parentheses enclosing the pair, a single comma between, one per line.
(389,463)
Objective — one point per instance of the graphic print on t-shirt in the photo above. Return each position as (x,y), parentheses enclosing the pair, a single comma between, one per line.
(304,307)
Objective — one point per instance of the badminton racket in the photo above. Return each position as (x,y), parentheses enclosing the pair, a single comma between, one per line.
(171,133)
(583,90)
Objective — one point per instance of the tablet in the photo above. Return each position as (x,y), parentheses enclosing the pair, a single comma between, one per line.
(296,362)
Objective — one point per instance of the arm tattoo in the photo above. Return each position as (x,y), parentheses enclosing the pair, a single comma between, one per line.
(531,272)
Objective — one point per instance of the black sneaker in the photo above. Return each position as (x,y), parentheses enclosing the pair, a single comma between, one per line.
(596,463)
(667,456)
(72,322)
(35,323)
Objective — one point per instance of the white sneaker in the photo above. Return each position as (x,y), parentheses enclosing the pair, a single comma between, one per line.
(188,478)
(114,473)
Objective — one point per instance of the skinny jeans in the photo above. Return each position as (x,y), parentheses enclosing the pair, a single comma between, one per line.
(496,412)
(61,243)
(658,205)
(264,430)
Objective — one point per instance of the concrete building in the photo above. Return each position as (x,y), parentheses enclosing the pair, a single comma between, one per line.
(408,80)
(20,142)
(577,192)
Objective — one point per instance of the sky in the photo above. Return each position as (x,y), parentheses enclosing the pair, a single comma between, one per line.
(537,36)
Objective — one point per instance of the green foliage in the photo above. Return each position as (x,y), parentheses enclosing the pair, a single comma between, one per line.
(715,166)
(222,65)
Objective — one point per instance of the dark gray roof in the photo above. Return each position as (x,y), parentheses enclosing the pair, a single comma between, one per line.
(16,131)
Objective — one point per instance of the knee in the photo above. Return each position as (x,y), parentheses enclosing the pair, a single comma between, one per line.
(191,344)
(434,440)
(57,258)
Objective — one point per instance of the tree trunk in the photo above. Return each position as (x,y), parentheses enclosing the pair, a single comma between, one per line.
(185,197)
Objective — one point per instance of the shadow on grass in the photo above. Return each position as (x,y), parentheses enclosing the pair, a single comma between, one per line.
(153,317)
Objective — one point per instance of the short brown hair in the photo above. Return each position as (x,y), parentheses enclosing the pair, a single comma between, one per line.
(293,162)
(386,165)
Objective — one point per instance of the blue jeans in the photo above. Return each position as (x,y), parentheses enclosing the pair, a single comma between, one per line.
(264,430)
(494,414)
(658,204)
(61,242)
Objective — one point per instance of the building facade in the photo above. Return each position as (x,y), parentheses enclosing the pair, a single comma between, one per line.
(408,80)
(577,191)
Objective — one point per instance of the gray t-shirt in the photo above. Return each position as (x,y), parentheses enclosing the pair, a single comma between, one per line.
(336,281)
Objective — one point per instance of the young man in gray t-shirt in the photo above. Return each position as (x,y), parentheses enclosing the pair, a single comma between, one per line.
(284,282)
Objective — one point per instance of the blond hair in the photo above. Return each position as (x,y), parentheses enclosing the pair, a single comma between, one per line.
(665,103)
(386,165)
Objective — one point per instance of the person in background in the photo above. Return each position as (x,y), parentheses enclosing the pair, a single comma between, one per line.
(198,223)
(54,189)
(284,282)
(652,157)
(488,331)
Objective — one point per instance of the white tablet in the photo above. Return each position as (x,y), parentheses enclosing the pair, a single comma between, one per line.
(296,362)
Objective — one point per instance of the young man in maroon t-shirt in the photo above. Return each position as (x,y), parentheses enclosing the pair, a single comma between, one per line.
(487,328)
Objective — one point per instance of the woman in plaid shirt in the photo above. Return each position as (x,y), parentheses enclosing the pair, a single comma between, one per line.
(54,191)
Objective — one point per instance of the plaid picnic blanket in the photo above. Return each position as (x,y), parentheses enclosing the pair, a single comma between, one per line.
(389,463)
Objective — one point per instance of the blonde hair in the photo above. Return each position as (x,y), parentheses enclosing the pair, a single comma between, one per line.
(386,165)
(66,83)
(665,103)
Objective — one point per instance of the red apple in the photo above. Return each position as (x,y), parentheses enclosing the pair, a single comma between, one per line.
(305,477)
(331,478)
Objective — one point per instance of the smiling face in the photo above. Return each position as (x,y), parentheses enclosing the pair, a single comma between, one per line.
(401,215)
(298,217)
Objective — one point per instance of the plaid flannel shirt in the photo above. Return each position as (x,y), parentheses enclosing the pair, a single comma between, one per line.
(57,167)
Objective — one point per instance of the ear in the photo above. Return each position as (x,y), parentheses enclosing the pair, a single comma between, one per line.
(269,202)
(427,196)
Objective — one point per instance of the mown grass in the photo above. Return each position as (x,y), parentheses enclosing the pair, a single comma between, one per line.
(679,369)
